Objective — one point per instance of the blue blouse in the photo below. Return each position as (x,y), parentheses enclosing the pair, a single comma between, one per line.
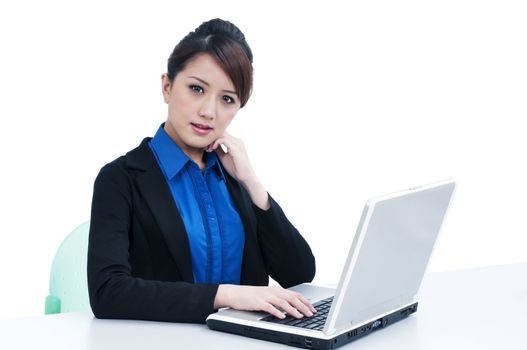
(214,228)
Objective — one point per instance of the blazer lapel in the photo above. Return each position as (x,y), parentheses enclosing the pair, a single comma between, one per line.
(154,188)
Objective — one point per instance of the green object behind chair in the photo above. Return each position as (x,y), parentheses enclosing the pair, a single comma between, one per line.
(68,286)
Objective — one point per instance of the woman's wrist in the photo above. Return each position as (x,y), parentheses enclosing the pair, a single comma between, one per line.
(222,296)
(257,192)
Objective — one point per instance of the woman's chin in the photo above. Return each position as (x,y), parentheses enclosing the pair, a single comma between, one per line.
(202,146)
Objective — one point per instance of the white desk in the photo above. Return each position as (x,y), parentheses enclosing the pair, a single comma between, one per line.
(484,308)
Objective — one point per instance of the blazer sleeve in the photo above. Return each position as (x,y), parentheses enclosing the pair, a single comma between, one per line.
(114,292)
(287,255)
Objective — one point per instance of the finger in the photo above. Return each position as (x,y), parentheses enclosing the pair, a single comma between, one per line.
(216,143)
(220,150)
(219,142)
(225,148)
(287,307)
(306,302)
(300,306)
(271,309)
(232,144)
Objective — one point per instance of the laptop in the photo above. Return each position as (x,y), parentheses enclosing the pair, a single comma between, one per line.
(379,282)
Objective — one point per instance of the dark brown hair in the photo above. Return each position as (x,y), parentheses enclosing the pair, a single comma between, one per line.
(226,44)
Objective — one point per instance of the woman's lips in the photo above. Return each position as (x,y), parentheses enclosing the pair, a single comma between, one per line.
(201,129)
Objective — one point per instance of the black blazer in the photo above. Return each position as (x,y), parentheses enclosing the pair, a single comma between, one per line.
(139,263)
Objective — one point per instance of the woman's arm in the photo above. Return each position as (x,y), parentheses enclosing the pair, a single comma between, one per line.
(290,262)
(287,255)
(113,291)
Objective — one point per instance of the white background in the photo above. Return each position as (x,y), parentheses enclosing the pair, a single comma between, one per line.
(350,101)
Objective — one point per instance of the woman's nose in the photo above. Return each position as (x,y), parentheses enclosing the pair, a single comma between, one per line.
(208,108)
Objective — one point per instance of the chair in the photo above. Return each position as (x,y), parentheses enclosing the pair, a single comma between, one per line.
(68,286)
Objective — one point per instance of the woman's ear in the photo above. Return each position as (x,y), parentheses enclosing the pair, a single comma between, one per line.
(166,85)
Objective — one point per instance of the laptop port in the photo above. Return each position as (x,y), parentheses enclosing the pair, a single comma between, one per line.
(408,310)
(308,343)
(352,333)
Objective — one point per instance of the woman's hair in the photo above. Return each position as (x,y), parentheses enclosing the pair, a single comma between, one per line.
(226,44)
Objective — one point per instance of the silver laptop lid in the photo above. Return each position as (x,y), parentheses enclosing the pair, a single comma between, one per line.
(389,254)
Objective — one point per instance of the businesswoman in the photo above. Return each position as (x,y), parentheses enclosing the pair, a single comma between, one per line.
(181,225)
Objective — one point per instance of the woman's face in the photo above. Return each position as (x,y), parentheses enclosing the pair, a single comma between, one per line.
(201,104)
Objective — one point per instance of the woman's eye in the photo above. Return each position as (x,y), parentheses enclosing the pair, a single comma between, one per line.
(196,88)
(228,99)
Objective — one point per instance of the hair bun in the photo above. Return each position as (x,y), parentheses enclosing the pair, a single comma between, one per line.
(218,26)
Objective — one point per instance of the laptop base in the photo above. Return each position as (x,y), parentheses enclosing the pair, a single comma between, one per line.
(312,342)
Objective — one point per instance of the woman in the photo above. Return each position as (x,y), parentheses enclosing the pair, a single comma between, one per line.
(181,225)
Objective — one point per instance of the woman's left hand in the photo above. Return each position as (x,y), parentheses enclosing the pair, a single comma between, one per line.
(236,161)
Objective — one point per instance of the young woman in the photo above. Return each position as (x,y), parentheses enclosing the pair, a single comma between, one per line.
(181,225)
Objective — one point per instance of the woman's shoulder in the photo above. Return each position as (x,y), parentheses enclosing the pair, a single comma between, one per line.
(138,158)
(113,172)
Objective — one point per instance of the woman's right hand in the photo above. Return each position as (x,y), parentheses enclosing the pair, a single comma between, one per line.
(268,299)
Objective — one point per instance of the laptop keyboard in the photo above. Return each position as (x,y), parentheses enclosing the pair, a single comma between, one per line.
(316,322)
